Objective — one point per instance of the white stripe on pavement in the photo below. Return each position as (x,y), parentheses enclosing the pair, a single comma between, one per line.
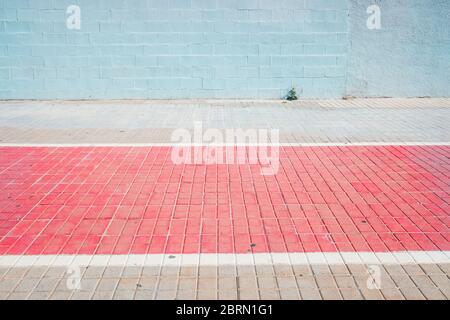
(211,259)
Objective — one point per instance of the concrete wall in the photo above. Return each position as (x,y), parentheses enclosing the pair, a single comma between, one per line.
(408,57)
(221,49)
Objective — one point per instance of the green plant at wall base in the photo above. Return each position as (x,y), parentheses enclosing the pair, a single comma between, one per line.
(292,95)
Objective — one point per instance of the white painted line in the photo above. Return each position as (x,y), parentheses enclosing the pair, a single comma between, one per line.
(213,259)
(148,145)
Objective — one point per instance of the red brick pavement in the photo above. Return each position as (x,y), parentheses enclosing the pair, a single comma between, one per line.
(119,200)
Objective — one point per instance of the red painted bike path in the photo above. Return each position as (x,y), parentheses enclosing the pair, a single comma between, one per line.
(121,200)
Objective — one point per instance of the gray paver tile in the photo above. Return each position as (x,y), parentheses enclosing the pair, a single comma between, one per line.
(166,294)
(56,272)
(26,285)
(289,294)
(207,295)
(127,284)
(207,272)
(441,280)
(60,295)
(371,294)
(283,270)
(306,282)
(39,295)
(144,295)
(148,271)
(81,295)
(403,281)
(246,270)
(351,294)
(16,273)
(248,294)
(247,282)
(8,284)
(287,283)
(325,281)
(430,269)
(132,272)
(148,283)
(93,272)
(392,294)
(339,269)
(188,272)
(432,293)
(103,295)
(168,283)
(310,294)
(18,296)
(227,283)
(269,294)
(36,272)
(345,281)
(47,284)
(112,272)
(107,284)
(412,293)
(124,295)
(265,283)
(227,295)
(330,294)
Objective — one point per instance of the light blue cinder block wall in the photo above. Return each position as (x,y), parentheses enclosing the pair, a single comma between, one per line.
(140,49)
(173,49)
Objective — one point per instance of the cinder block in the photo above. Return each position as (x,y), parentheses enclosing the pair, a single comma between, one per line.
(200,48)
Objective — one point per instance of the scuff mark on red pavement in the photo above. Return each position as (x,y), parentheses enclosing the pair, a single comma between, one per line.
(119,200)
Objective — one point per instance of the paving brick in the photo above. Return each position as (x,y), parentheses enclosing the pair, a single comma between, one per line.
(166,295)
(392,294)
(18,296)
(227,295)
(36,272)
(148,283)
(371,294)
(350,294)
(167,283)
(113,272)
(190,271)
(269,294)
(330,294)
(47,285)
(289,294)
(227,283)
(107,284)
(306,282)
(403,281)
(207,294)
(267,283)
(103,295)
(412,293)
(15,273)
(432,293)
(60,295)
(82,295)
(310,294)
(8,284)
(345,281)
(26,285)
(39,295)
(124,295)
(248,294)
(144,295)
(325,281)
